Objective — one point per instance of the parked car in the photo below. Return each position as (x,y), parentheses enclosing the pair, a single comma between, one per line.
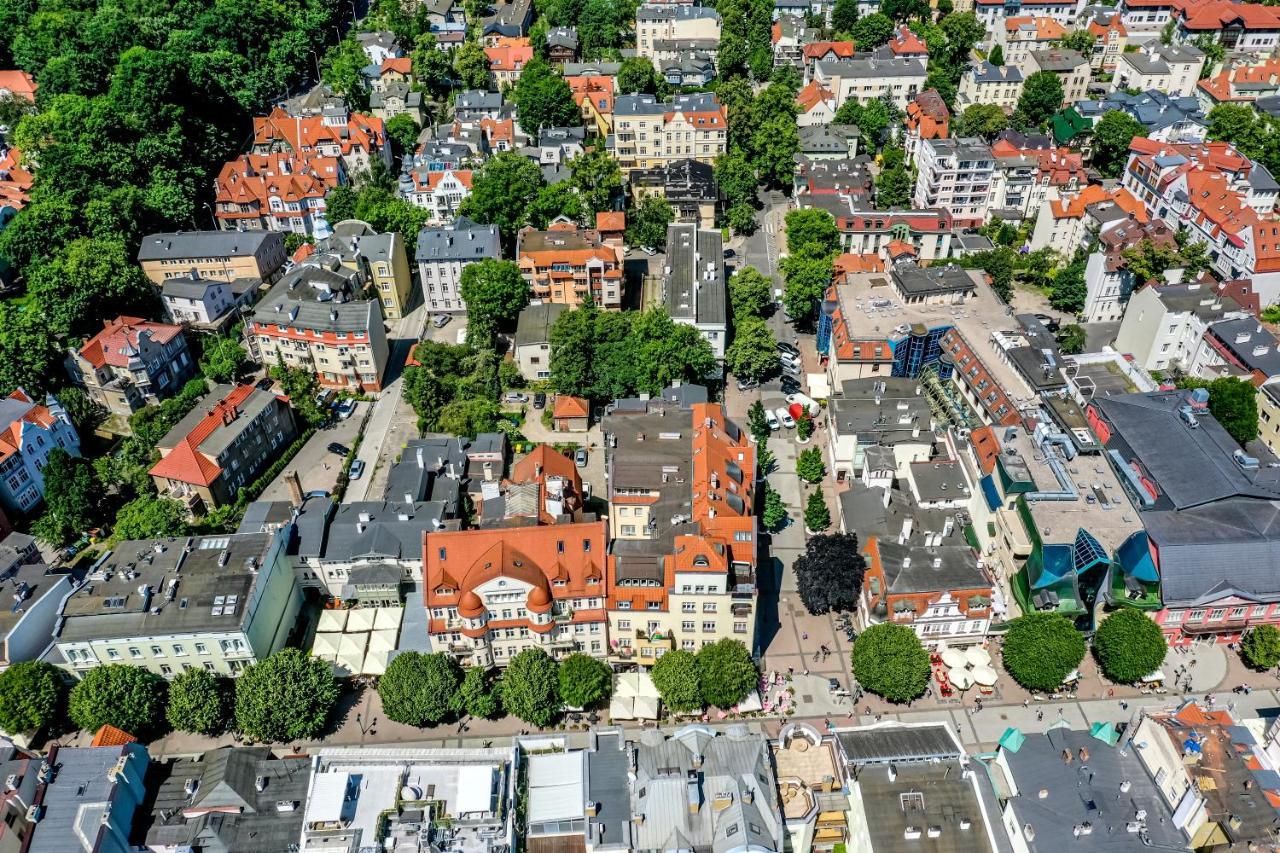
(730,253)
(515,397)
(441,321)
(265,384)
(324,397)
(580,457)
(791,368)
(540,400)
(747,384)
(772,420)
(346,409)
(649,250)
(808,402)
(790,386)
(339,449)
(357,469)
(785,417)
(318,493)
(783,346)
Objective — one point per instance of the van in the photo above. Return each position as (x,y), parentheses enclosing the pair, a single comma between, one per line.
(772,420)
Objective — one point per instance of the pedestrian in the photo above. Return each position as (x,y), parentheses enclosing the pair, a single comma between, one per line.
(804,635)
(1040,714)
(791,670)
(1026,703)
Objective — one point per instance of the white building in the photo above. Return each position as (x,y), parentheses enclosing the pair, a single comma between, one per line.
(957,175)
(28,433)
(694,282)
(1173,69)
(984,83)
(1163,327)
(440,192)
(866,78)
(442,255)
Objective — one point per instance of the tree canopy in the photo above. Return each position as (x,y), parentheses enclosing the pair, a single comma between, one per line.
(128,697)
(1041,650)
(585,681)
(287,696)
(1111,137)
(501,191)
(817,515)
(495,293)
(531,687)
(421,689)
(812,230)
(199,702)
(1041,97)
(750,292)
(478,694)
(33,696)
(1260,649)
(754,351)
(889,661)
(677,676)
(543,98)
(1128,646)
(726,673)
(829,573)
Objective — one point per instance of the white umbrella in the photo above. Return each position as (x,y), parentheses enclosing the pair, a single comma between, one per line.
(646,707)
(375,663)
(955,659)
(621,708)
(361,619)
(977,656)
(352,662)
(353,644)
(382,641)
(332,621)
(388,618)
(984,675)
(325,646)
(961,679)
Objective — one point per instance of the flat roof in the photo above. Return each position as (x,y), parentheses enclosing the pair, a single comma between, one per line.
(934,808)
(895,742)
(557,786)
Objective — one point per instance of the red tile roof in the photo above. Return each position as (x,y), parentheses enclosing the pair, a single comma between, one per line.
(715,454)
(252,179)
(907,43)
(509,54)
(367,133)
(15,181)
(11,436)
(19,83)
(611,220)
(1044,28)
(1222,86)
(398,64)
(928,116)
(570,407)
(1074,207)
(1214,16)
(822,49)
(1100,30)
(119,340)
(111,736)
(185,463)
(597,88)
(812,94)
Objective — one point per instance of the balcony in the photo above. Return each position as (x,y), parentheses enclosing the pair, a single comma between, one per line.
(565,615)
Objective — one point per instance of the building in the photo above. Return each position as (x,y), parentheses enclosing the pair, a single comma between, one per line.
(18,84)
(656,24)
(1173,69)
(220,603)
(351,137)
(1175,119)
(992,12)
(1028,171)
(507,58)
(1164,327)
(443,253)
(1240,27)
(131,363)
(1207,507)
(688,185)
(1069,66)
(984,83)
(440,191)
(648,133)
(594,94)
(681,479)
(383,259)
(1024,33)
(314,319)
(955,174)
(490,593)
(213,452)
(1240,84)
(817,105)
(693,284)
(509,19)
(571,414)
(379,46)
(358,796)
(276,192)
(533,339)
(221,255)
(208,304)
(566,265)
(1068,222)
(1240,347)
(243,798)
(867,77)
(92,798)
(562,44)
(865,230)
(1108,281)
(1111,38)
(28,433)
(927,118)
(37,591)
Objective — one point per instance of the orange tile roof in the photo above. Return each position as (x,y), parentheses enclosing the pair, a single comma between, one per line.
(713,451)
(15,181)
(112,345)
(847,264)
(428,181)
(928,116)
(1216,16)
(398,64)
(497,131)
(111,736)
(1192,714)
(812,94)
(1074,207)
(907,43)
(11,436)
(986,446)
(1222,86)
(252,179)
(838,49)
(509,53)
(900,248)
(571,407)
(1046,28)
(367,133)
(596,88)
(611,220)
(1115,24)
(19,83)
(185,463)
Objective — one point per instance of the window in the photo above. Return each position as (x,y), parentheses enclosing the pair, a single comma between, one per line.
(135,653)
(687,626)
(202,649)
(1216,613)
(166,670)
(112,654)
(739,627)
(156,651)
(708,607)
(708,627)
(1195,615)
(688,607)
(624,605)
(1238,612)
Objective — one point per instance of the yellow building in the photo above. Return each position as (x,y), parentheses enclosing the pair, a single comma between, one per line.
(1269,417)
(648,133)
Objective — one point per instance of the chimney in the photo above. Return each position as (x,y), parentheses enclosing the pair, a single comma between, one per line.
(294,482)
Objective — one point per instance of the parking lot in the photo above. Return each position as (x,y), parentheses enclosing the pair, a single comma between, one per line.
(318,467)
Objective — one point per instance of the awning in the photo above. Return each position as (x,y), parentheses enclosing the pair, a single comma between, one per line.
(1153,677)
(382,641)
(325,646)
(332,621)
(388,618)
(375,662)
(361,619)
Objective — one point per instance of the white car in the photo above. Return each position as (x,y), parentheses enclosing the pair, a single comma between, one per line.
(785,416)
(808,402)
(772,420)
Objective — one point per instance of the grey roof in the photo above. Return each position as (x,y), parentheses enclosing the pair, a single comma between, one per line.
(916,281)
(962,148)
(559,136)
(591,69)
(873,67)
(203,244)
(1178,52)
(1056,795)
(264,516)
(190,286)
(676,13)
(311,527)
(821,139)
(82,794)
(381,529)
(1156,110)
(463,241)
(247,819)
(985,72)
(895,743)
(1261,179)
(480,100)
(1145,63)
(127,594)
(430,468)
(25,585)
(381,38)
(563,37)
(680,180)
(704,49)
(1250,342)
(608,763)
(218,440)
(649,105)
(686,395)
(319,298)
(881,411)
(1059,59)
(535,322)
(931,799)
(695,289)
(411,98)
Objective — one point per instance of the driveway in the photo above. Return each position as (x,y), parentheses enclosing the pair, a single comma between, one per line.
(318,467)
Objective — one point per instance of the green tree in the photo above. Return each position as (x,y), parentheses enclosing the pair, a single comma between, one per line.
(1238,124)
(287,696)
(871,31)
(893,188)
(963,31)
(647,226)
(982,120)
(1068,291)
(471,65)
(1111,137)
(726,673)
(85,280)
(804,425)
(501,192)
(33,696)
(1232,402)
(223,360)
(1128,646)
(543,98)
(812,230)
(86,414)
(150,517)
(1042,649)
(495,293)
(341,68)
(1081,41)
(340,203)
(468,417)
(403,130)
(844,15)
(754,352)
(553,200)
(1072,339)
(1214,52)
(775,511)
(1260,649)
(996,57)
(817,517)
(597,178)
(666,352)
(1042,96)
(478,694)
(678,678)
(809,465)
(757,423)
(199,702)
(530,688)
(750,293)
(599,27)
(637,76)
(807,279)
(585,681)
(736,179)
(29,352)
(999,264)
(127,697)
(871,119)
(72,498)
(432,69)
(901,10)
(889,661)
(301,387)
(776,142)
(421,689)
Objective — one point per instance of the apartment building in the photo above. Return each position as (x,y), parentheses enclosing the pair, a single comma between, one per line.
(867,77)
(221,255)
(1022,34)
(594,94)
(927,118)
(131,363)
(440,191)
(222,445)
(507,58)
(354,138)
(1165,118)
(1173,69)
(992,13)
(1242,84)
(656,24)
(957,175)
(984,83)
(693,283)
(1239,27)
(1107,279)
(1069,66)
(1110,40)
(91,796)
(566,265)
(867,231)
(1164,327)
(276,192)
(28,433)
(315,318)
(1065,223)
(688,185)
(206,303)
(491,593)
(219,603)
(443,253)
(681,495)
(648,133)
